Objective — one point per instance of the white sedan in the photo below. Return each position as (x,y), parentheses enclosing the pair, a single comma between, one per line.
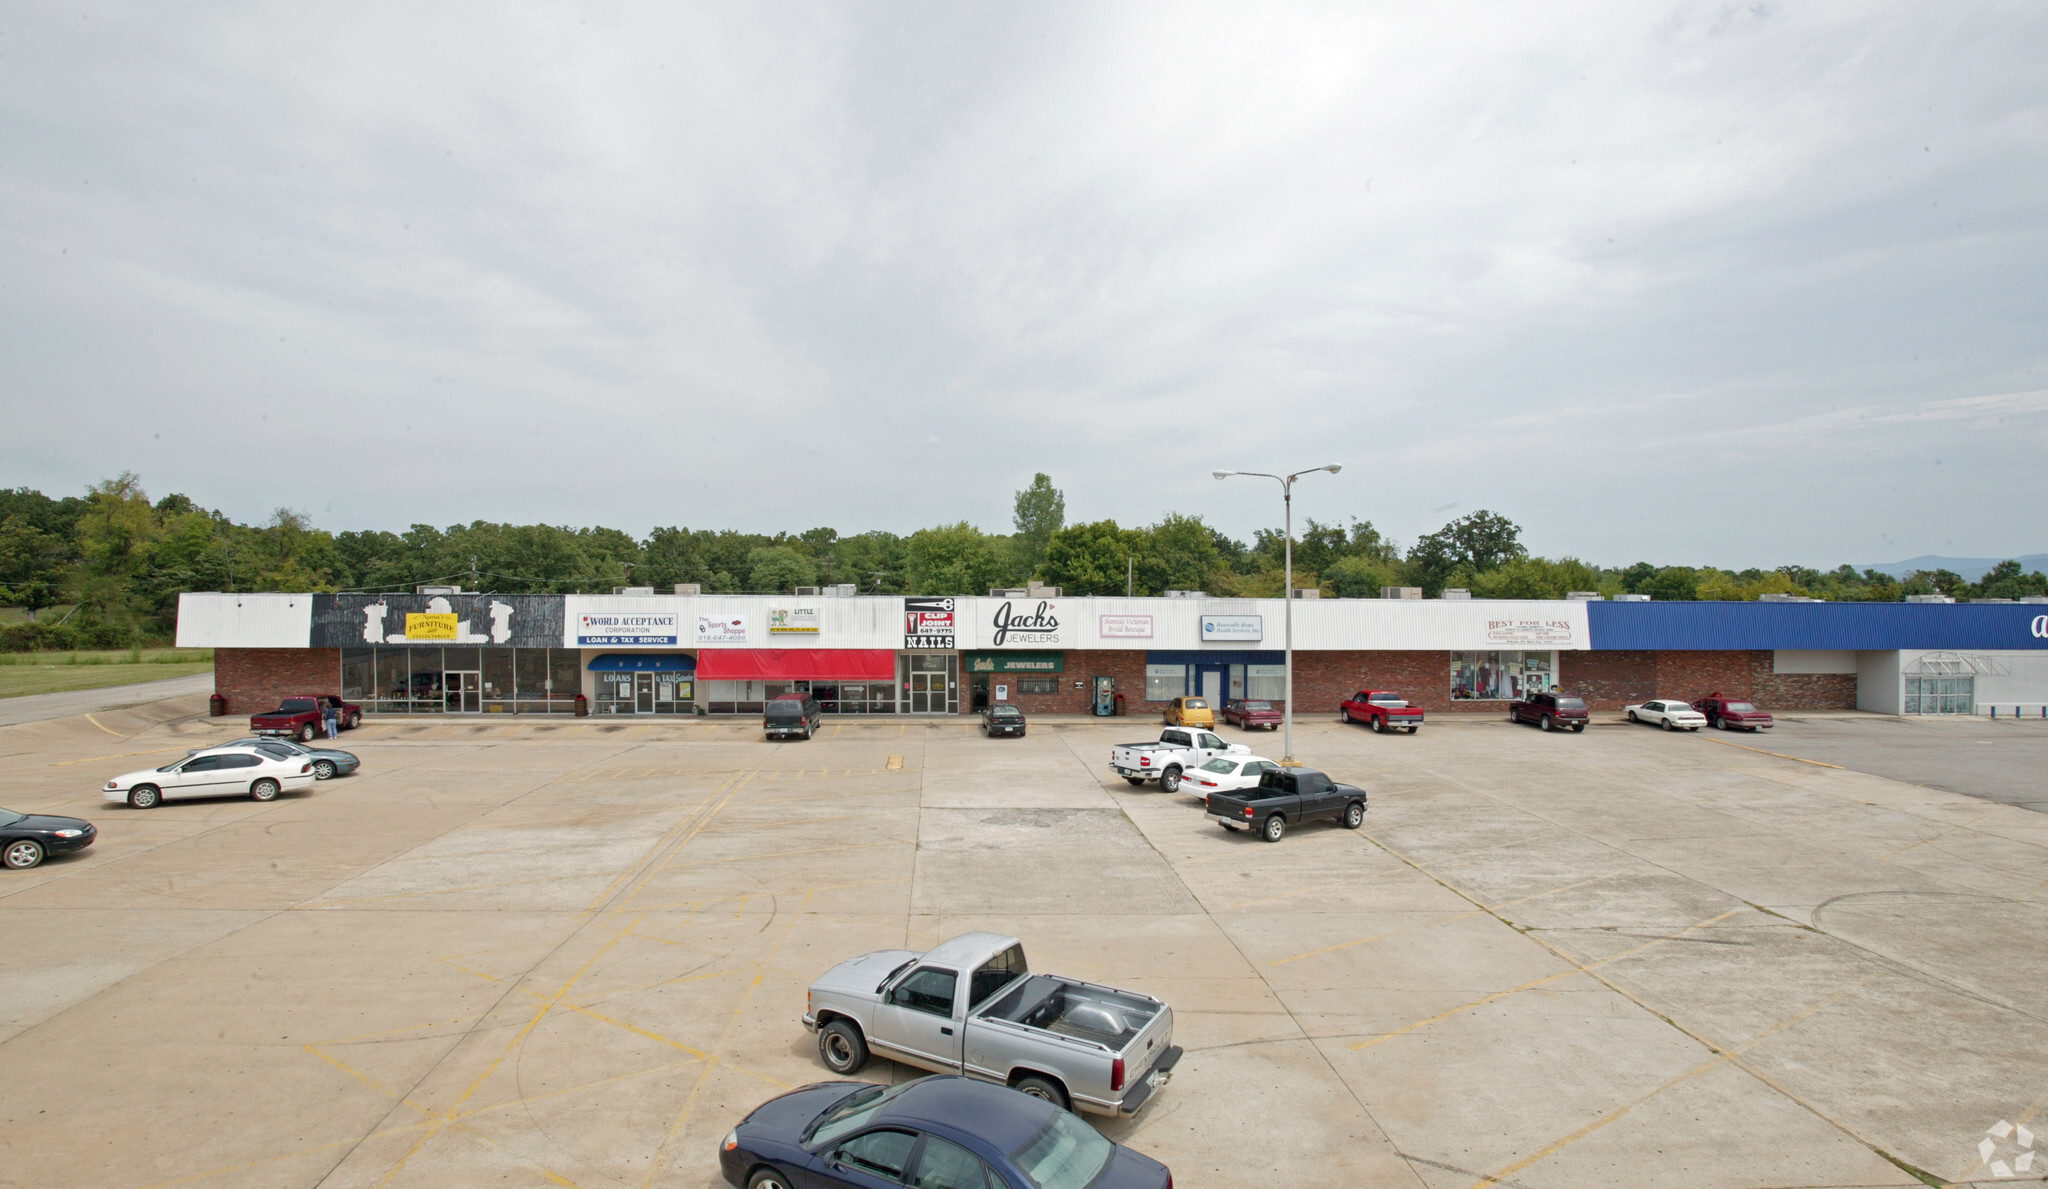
(216,772)
(1669,713)
(1226,774)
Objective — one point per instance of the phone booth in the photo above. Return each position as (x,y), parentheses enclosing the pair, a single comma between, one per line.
(1105,696)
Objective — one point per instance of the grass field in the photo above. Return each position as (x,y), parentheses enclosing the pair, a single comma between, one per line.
(57,672)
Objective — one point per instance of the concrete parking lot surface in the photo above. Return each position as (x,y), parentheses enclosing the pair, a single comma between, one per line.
(574,953)
(2002,759)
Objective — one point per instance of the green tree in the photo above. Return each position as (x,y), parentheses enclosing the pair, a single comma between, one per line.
(1180,553)
(116,536)
(1089,559)
(2005,581)
(1468,546)
(1360,577)
(1670,583)
(779,569)
(1040,511)
(956,559)
(34,566)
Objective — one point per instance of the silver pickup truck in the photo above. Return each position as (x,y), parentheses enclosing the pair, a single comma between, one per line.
(973,1007)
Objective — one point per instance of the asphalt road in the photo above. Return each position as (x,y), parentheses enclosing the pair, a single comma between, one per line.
(2004,761)
(43,707)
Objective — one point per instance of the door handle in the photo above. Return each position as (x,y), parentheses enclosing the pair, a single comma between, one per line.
(945,1032)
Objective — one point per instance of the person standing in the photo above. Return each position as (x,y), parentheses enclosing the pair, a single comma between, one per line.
(333,722)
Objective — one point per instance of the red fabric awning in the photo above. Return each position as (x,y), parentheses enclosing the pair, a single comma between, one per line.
(801,664)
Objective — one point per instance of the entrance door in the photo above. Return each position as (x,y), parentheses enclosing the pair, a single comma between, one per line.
(927,693)
(643,693)
(464,692)
(1212,687)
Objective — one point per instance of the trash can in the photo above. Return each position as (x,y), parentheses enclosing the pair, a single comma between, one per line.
(1119,705)
(217,706)
(582,706)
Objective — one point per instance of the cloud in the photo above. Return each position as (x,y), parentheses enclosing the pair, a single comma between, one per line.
(774,266)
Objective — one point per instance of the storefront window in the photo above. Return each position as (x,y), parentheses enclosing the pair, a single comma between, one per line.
(458,680)
(1038,685)
(1268,682)
(358,675)
(393,667)
(497,672)
(1501,676)
(1163,683)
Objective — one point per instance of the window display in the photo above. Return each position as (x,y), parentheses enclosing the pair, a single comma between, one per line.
(1163,683)
(1501,676)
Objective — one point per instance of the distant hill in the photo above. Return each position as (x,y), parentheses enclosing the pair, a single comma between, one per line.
(1970,568)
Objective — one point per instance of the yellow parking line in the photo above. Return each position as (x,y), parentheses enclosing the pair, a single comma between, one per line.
(1781,755)
(895,763)
(109,730)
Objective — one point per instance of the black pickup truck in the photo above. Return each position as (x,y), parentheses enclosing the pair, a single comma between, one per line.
(1286,798)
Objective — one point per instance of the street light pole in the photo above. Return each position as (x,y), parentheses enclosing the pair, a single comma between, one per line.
(1287,545)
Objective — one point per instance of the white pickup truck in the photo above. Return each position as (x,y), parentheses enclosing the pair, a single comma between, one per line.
(1178,750)
(972,1006)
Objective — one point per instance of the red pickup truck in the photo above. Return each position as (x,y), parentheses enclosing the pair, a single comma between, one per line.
(1383,709)
(1729,714)
(303,716)
(1249,714)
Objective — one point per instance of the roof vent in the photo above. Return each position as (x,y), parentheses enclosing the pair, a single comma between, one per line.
(1308,592)
(437,590)
(1184,594)
(1008,592)
(1584,596)
(811,591)
(1456,594)
(1934,598)
(632,590)
(1786,598)
(1631,598)
(842,590)
(1400,592)
(689,588)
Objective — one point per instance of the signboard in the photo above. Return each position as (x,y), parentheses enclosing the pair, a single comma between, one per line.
(430,625)
(1265,670)
(929,622)
(1233,627)
(1020,625)
(721,629)
(792,621)
(639,628)
(1126,627)
(1539,633)
(1017,662)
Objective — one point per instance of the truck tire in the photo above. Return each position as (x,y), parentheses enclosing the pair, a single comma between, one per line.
(1379,726)
(1044,1088)
(1169,780)
(1135,780)
(305,732)
(1547,723)
(355,719)
(1577,727)
(1412,730)
(1345,714)
(1274,828)
(842,1047)
(1354,815)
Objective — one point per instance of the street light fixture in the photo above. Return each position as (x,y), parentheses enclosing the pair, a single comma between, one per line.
(1287,500)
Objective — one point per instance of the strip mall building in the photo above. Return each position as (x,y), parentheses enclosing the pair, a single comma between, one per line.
(639,654)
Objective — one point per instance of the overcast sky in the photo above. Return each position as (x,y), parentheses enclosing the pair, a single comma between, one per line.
(1728,284)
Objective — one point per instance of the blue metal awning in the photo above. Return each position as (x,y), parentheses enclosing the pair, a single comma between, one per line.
(1214,656)
(652,662)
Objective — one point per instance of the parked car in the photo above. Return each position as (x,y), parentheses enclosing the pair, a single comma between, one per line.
(1190,712)
(1289,797)
(972,1006)
(1383,709)
(1669,713)
(26,839)
(1226,774)
(328,762)
(1241,713)
(1551,711)
(932,1133)
(1732,714)
(1002,719)
(303,717)
(216,772)
(792,714)
(1176,752)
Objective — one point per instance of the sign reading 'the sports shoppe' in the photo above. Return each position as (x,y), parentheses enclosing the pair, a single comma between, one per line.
(721,629)
(929,622)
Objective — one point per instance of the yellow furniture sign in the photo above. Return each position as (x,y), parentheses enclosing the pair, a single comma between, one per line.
(429,626)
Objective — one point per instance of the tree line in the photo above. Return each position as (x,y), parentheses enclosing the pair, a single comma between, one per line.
(110,564)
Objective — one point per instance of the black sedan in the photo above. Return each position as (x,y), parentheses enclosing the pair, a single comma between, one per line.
(26,839)
(935,1133)
(1002,719)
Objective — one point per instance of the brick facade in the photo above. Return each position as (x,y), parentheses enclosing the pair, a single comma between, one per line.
(1799,691)
(254,679)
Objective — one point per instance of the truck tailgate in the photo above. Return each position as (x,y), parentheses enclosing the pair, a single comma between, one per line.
(1150,1058)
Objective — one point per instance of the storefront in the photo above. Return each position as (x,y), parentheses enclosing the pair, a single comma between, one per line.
(644,683)
(844,680)
(1013,676)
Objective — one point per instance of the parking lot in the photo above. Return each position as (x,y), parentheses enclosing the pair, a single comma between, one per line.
(575,953)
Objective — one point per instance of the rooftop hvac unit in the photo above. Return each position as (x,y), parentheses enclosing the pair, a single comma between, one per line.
(437,590)
(632,590)
(842,590)
(1008,592)
(812,591)
(689,588)
(1184,594)
(1400,592)
(1786,598)
(1308,592)
(1035,591)
(1457,594)
(1631,598)
(1929,599)
(1584,596)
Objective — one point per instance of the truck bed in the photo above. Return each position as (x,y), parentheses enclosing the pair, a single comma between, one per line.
(1102,1015)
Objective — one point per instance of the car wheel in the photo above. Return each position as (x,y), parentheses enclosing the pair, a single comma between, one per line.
(1412,730)
(1668,726)
(767,1178)
(842,1047)
(1043,1088)
(1354,815)
(1169,780)
(1275,827)
(1546,723)
(1379,726)
(1577,727)
(1513,717)
(263,790)
(305,732)
(1632,717)
(1134,780)
(1346,714)
(323,769)
(144,796)
(355,719)
(22,855)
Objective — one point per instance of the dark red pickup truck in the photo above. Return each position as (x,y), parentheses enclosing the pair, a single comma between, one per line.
(302,717)
(1383,709)
(1732,714)
(1552,712)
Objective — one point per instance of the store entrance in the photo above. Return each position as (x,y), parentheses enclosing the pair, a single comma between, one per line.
(930,683)
(464,692)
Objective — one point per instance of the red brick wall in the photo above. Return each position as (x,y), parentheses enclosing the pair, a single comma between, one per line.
(1694,675)
(1798,691)
(1128,668)
(253,679)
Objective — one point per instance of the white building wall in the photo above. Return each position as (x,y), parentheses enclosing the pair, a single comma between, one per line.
(1879,686)
(213,620)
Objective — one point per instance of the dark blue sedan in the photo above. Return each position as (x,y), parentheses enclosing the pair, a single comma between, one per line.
(934,1133)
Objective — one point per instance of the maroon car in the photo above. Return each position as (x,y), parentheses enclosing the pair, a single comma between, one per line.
(1552,712)
(302,717)
(1239,712)
(1732,714)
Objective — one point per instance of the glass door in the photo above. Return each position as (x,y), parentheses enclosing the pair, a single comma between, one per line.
(463,693)
(643,693)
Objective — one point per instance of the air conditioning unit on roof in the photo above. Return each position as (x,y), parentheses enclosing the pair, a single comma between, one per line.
(1008,592)
(1583,596)
(437,590)
(689,588)
(812,591)
(842,590)
(632,590)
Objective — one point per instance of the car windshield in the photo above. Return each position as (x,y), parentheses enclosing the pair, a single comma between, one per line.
(1739,707)
(1195,704)
(270,744)
(1004,712)
(1571,703)
(8,817)
(850,1113)
(1067,1154)
(1224,766)
(1258,705)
